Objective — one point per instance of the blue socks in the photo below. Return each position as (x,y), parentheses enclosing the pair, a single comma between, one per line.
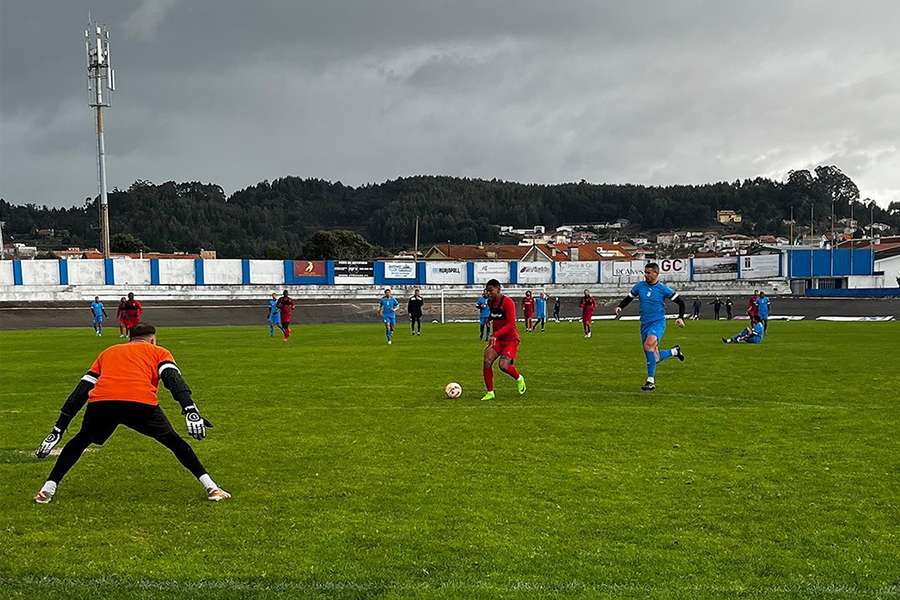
(651,363)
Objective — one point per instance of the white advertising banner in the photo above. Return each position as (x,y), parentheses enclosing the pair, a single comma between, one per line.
(40,272)
(718,268)
(577,271)
(86,272)
(534,272)
(222,271)
(399,270)
(131,271)
(445,272)
(266,271)
(485,271)
(621,272)
(760,266)
(674,269)
(177,271)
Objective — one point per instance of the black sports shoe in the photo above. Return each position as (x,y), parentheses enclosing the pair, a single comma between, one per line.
(648,386)
(724,341)
(680,355)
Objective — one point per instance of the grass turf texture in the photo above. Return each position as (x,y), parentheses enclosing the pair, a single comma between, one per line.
(756,472)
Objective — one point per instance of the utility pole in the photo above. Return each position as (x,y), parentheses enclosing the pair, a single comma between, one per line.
(101,83)
(416,247)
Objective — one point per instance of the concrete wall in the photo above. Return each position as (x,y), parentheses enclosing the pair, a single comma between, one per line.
(176,271)
(225,271)
(86,272)
(40,272)
(267,271)
(131,271)
(6,272)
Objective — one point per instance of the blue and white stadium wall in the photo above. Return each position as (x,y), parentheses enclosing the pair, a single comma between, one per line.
(792,264)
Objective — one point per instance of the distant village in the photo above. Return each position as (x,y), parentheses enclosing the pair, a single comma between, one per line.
(616,240)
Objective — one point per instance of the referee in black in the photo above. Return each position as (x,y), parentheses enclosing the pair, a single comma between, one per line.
(414,308)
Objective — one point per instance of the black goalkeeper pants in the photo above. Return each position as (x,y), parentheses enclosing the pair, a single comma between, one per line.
(415,322)
(102,418)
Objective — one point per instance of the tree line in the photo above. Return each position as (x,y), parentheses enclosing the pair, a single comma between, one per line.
(293,217)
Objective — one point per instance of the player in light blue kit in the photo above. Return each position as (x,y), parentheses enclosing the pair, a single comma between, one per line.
(387,308)
(652,294)
(273,317)
(762,305)
(98,312)
(752,334)
(484,317)
(540,310)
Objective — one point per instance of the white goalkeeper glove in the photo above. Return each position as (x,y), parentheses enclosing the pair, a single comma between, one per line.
(196,425)
(49,442)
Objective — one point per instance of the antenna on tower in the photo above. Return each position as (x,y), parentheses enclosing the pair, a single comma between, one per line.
(101,83)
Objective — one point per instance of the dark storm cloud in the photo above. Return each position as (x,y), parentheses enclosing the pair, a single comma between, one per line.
(359,91)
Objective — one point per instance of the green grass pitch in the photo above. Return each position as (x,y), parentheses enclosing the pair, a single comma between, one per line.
(752,472)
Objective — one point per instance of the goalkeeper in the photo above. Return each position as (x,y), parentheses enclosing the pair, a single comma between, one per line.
(120,389)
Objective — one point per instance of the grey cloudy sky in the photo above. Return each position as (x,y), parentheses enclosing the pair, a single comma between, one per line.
(686,91)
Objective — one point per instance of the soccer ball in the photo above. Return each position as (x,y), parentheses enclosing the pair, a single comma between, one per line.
(453,390)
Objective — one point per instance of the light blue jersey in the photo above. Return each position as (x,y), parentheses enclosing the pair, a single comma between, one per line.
(757,336)
(388,309)
(97,310)
(484,309)
(274,314)
(763,306)
(653,306)
(540,308)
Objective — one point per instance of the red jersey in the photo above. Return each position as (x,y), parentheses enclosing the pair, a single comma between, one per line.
(133,311)
(528,306)
(285,306)
(753,307)
(503,319)
(587,306)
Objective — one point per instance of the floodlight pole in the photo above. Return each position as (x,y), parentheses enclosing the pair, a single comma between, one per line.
(101,77)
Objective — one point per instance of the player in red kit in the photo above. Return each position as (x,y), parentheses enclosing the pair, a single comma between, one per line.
(285,306)
(587,304)
(504,341)
(528,309)
(133,312)
(753,307)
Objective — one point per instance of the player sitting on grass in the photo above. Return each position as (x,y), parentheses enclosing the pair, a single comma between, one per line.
(120,389)
(752,334)
(652,295)
(504,340)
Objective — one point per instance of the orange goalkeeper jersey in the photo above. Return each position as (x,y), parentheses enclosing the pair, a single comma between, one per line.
(129,372)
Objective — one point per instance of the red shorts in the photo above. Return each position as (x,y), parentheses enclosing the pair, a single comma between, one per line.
(130,323)
(507,348)
(587,318)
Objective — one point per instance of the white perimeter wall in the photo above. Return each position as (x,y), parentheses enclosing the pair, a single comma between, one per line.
(86,272)
(6,275)
(176,271)
(40,272)
(266,271)
(131,271)
(222,271)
